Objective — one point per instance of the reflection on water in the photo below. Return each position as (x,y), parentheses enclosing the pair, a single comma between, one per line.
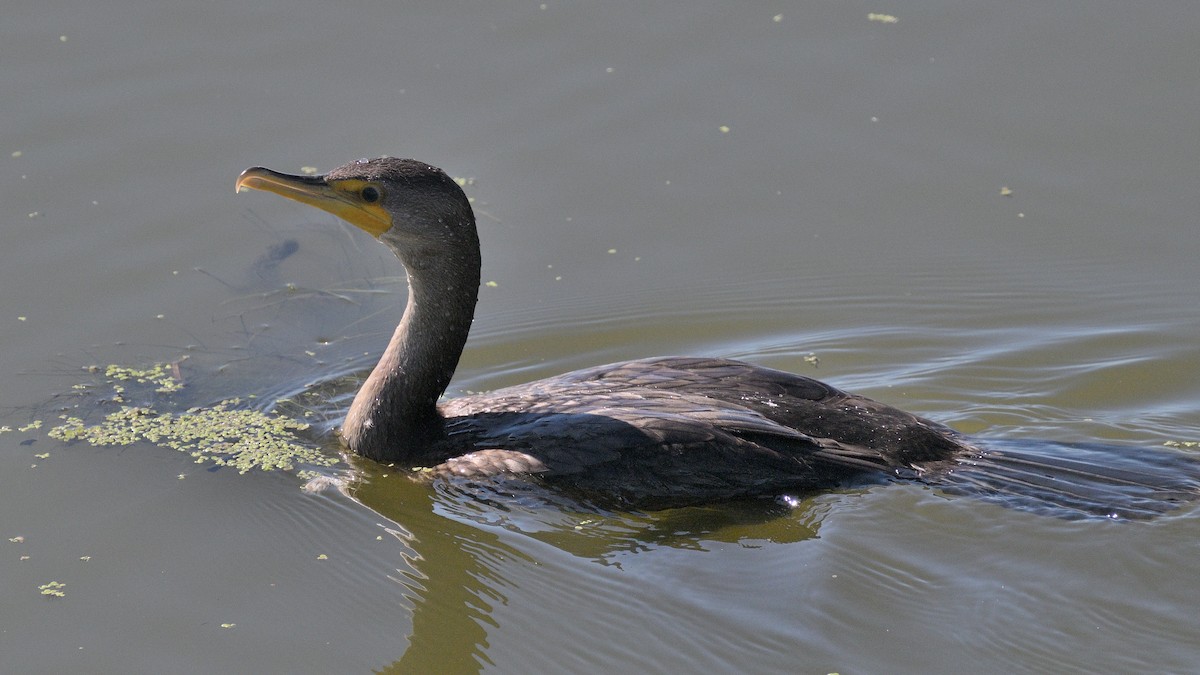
(465,552)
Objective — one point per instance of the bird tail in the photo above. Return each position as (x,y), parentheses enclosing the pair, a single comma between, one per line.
(1076,480)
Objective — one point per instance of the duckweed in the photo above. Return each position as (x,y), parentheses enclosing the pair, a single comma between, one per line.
(161,374)
(222,434)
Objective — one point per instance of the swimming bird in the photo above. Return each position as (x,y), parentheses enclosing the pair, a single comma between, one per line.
(650,432)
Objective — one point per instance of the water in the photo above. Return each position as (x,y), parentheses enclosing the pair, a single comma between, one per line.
(773,182)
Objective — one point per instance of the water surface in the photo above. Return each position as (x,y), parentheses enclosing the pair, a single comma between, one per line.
(757,181)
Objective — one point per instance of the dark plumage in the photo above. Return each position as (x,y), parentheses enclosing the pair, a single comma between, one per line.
(648,432)
(686,429)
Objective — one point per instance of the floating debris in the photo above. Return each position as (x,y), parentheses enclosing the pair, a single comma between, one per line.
(315,482)
(882,18)
(53,589)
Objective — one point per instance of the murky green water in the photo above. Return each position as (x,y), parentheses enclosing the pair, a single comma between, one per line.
(761,182)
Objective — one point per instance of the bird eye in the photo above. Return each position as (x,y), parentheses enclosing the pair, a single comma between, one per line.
(370,194)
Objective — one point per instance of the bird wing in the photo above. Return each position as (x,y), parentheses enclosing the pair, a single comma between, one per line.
(641,431)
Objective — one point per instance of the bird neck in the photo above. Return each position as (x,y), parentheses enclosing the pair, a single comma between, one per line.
(394,415)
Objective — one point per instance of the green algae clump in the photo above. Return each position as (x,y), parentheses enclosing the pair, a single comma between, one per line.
(240,439)
(161,374)
(222,434)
